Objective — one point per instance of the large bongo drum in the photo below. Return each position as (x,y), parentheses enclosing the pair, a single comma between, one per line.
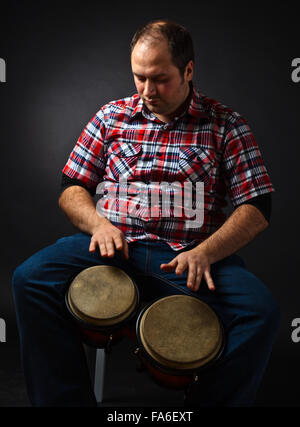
(178,336)
(102,300)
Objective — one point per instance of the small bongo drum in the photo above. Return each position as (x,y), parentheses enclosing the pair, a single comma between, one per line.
(102,300)
(179,336)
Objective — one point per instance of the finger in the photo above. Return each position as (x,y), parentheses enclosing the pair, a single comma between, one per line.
(198,279)
(170,266)
(181,267)
(121,245)
(110,247)
(209,281)
(191,279)
(118,241)
(103,250)
(92,246)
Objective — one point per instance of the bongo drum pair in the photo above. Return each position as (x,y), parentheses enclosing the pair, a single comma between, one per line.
(178,336)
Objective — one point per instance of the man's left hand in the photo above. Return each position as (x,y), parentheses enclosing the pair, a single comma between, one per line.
(197,264)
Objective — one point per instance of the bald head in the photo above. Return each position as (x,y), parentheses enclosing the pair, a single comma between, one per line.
(177,38)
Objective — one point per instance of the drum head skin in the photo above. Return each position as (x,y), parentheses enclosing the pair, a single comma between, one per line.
(181,332)
(102,295)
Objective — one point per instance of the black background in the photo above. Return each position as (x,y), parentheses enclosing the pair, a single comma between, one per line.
(65,60)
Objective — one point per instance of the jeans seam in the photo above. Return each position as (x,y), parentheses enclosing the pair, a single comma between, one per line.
(148,256)
(168,282)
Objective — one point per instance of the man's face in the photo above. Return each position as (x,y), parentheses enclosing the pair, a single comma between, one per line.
(158,81)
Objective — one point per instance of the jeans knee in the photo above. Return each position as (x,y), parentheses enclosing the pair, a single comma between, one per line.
(269,310)
(25,274)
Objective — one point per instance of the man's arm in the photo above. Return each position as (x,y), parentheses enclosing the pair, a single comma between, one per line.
(77,203)
(242,226)
(244,174)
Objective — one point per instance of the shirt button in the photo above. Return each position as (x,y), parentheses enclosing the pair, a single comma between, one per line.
(137,206)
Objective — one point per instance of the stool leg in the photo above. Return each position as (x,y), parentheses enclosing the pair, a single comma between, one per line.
(99,374)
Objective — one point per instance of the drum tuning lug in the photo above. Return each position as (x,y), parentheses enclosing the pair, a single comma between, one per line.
(140,367)
(108,345)
(196,378)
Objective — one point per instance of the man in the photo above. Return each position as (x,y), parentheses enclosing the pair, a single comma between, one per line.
(167,133)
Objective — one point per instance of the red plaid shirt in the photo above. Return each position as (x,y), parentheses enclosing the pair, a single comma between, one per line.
(209,144)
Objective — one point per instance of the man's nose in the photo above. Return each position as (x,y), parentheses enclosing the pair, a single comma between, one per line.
(149,88)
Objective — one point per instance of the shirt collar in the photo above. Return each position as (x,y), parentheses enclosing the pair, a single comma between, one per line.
(138,109)
(195,108)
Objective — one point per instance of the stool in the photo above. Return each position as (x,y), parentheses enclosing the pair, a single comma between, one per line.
(96,358)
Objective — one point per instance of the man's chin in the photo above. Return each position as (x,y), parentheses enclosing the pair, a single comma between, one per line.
(154,108)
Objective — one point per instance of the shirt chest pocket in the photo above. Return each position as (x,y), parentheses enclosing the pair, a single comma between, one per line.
(196,163)
(122,158)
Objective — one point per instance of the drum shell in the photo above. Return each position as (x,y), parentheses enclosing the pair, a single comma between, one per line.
(169,377)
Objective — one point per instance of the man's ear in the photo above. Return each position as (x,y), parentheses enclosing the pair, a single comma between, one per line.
(189,71)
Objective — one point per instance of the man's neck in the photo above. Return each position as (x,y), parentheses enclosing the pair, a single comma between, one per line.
(180,110)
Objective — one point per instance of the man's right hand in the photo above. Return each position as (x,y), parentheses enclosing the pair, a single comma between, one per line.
(80,208)
(108,238)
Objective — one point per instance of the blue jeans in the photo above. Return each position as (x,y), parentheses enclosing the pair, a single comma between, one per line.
(52,354)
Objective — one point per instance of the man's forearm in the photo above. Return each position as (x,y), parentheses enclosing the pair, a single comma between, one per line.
(243,225)
(79,206)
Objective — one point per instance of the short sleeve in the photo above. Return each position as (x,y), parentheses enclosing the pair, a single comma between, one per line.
(242,165)
(86,162)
